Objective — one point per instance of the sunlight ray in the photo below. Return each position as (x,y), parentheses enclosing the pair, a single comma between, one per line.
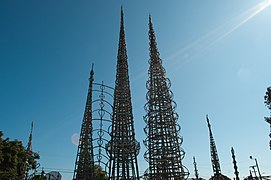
(200,45)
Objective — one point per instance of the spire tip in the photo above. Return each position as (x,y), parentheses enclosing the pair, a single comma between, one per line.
(32,126)
(150,19)
(92,73)
(121,11)
(207,119)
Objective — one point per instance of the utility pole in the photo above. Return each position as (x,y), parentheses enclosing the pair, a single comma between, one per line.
(257,166)
(253,167)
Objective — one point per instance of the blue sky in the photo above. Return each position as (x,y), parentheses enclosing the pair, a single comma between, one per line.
(216,54)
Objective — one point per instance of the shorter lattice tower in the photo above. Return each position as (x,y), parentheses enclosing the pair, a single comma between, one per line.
(84,164)
(214,156)
(123,147)
(164,153)
(28,150)
(235,165)
(195,168)
(29,144)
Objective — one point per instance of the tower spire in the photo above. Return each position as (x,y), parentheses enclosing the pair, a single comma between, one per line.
(235,165)
(92,75)
(28,150)
(123,147)
(29,144)
(121,18)
(163,141)
(84,165)
(195,168)
(214,155)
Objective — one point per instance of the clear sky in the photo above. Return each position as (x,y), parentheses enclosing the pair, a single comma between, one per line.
(217,55)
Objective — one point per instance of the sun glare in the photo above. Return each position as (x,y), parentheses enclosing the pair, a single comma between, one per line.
(265,4)
(211,38)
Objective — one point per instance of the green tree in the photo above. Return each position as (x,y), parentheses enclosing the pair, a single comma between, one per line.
(38,177)
(14,159)
(99,173)
(1,146)
(267,101)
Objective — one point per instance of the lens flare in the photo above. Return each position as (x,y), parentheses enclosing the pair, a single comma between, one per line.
(75,139)
(207,41)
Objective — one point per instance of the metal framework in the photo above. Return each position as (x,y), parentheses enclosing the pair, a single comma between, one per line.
(95,131)
(84,164)
(123,147)
(214,156)
(235,165)
(101,122)
(163,141)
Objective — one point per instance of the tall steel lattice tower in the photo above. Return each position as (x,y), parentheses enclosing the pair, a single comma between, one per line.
(163,141)
(123,147)
(214,156)
(84,164)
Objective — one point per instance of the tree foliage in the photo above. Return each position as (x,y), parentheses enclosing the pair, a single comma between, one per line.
(14,159)
(38,177)
(267,98)
(267,101)
(99,173)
